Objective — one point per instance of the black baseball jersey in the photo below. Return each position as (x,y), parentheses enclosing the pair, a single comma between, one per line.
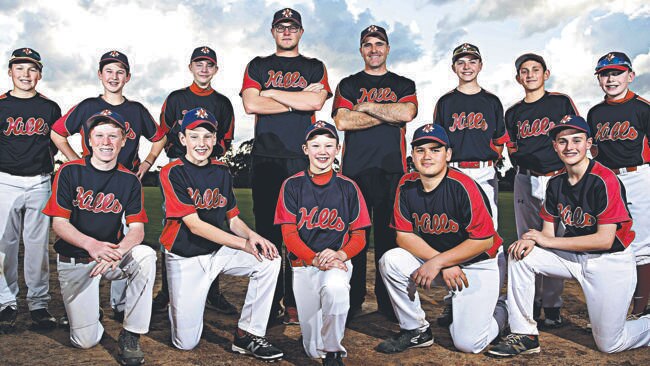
(138,123)
(25,145)
(382,146)
(94,201)
(282,135)
(453,212)
(183,100)
(474,124)
(205,190)
(598,198)
(620,129)
(324,214)
(528,125)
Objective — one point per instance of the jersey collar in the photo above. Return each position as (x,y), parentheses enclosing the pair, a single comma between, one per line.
(629,95)
(200,91)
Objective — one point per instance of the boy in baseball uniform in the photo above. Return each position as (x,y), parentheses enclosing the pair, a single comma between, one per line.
(588,200)
(89,198)
(323,217)
(446,236)
(621,125)
(199,201)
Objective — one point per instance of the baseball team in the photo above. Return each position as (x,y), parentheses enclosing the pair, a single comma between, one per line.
(579,204)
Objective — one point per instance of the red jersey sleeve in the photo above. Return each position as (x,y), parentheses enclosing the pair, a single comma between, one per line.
(401,214)
(178,202)
(68,124)
(286,207)
(480,224)
(60,202)
(295,245)
(251,77)
(359,209)
(611,206)
(134,211)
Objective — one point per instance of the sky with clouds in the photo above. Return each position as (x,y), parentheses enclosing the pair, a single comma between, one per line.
(159,36)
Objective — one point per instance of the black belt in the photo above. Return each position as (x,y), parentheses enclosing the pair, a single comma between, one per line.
(75,260)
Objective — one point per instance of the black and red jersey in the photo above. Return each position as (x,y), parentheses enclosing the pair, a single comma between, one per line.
(456,210)
(282,135)
(382,146)
(597,199)
(183,100)
(528,125)
(205,190)
(474,124)
(620,129)
(94,202)
(325,214)
(138,123)
(25,145)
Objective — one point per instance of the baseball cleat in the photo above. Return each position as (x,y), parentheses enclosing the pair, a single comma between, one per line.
(219,303)
(42,319)
(130,352)
(333,359)
(447,317)
(406,339)
(160,303)
(552,318)
(118,315)
(8,319)
(291,316)
(259,347)
(516,344)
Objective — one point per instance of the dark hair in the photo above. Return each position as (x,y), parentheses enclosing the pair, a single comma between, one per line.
(104,63)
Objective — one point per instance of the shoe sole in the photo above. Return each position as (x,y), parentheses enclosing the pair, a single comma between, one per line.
(131,361)
(420,345)
(45,325)
(291,322)
(526,352)
(244,351)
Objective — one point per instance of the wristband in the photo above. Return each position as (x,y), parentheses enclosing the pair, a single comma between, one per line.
(147,161)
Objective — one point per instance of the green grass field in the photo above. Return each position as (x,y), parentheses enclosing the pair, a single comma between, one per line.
(153,201)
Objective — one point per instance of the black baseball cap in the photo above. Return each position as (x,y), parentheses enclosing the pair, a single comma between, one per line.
(204,53)
(199,117)
(529,57)
(465,49)
(114,56)
(321,126)
(24,55)
(287,15)
(374,31)
(106,115)
(614,61)
(430,133)
(570,121)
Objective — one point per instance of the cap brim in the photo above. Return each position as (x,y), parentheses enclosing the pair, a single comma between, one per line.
(558,128)
(477,55)
(375,34)
(293,20)
(92,121)
(427,139)
(17,60)
(328,131)
(111,60)
(198,58)
(201,123)
(612,67)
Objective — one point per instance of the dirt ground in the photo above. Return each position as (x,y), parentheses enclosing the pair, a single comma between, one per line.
(570,345)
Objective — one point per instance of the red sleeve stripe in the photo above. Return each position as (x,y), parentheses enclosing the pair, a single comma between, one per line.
(545,215)
(249,82)
(615,211)
(645,150)
(230,134)
(282,213)
(85,149)
(60,127)
(52,208)
(233,212)
(363,218)
(642,99)
(412,98)
(326,83)
(481,225)
(402,147)
(170,232)
(400,222)
(340,102)
(174,208)
(575,109)
(503,139)
(160,131)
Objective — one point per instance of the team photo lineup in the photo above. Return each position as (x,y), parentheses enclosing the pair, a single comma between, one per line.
(580,205)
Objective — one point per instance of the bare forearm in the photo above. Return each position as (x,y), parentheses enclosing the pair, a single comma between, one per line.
(156,149)
(347,120)
(463,252)
(389,112)
(134,237)
(62,144)
(257,104)
(301,101)
(214,234)
(587,243)
(239,227)
(415,245)
(66,231)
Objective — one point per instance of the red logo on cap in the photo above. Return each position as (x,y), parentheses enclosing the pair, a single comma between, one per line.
(287,13)
(610,57)
(202,113)
(106,112)
(427,128)
(565,119)
(371,29)
(205,50)
(27,51)
(114,53)
(319,124)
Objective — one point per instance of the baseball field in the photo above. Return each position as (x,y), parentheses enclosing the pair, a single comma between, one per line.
(569,345)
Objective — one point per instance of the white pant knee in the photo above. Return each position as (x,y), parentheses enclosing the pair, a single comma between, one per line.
(185,343)
(468,342)
(392,261)
(336,297)
(146,257)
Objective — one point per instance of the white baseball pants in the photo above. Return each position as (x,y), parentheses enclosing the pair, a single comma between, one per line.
(638,202)
(486,177)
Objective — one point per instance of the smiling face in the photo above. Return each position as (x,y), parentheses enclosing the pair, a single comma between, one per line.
(24,76)
(531,76)
(287,35)
(113,77)
(203,71)
(106,141)
(430,159)
(571,146)
(374,52)
(321,151)
(199,143)
(615,82)
(467,68)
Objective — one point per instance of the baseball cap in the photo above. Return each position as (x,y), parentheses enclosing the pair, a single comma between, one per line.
(321,126)
(374,31)
(529,57)
(204,53)
(199,117)
(106,115)
(287,15)
(570,121)
(614,61)
(114,56)
(430,133)
(22,55)
(465,49)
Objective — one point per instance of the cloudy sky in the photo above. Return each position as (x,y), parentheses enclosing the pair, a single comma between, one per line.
(159,36)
